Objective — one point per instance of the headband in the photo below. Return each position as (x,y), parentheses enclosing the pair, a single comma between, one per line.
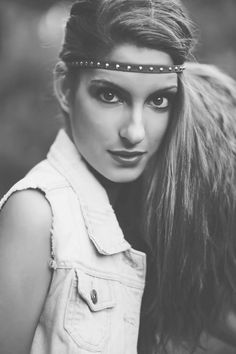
(126,67)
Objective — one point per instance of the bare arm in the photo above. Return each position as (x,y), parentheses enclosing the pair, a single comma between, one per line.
(25,223)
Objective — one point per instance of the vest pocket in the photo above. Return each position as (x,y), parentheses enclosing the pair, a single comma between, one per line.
(88,310)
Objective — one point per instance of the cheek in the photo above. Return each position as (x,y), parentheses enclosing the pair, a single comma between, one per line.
(83,118)
(92,126)
(157,129)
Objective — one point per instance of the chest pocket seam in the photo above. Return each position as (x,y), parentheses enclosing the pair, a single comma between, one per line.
(87,318)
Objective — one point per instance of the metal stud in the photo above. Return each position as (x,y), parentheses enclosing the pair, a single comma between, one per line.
(94,296)
(128,67)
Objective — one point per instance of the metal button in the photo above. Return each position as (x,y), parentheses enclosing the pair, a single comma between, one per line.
(94,296)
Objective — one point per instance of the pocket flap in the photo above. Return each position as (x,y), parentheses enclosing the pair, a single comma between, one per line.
(96,292)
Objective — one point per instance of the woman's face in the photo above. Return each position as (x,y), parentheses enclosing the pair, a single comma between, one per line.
(118,119)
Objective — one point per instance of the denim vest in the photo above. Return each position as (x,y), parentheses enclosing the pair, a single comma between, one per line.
(93,304)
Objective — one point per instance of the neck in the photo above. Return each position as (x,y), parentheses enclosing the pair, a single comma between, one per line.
(113,189)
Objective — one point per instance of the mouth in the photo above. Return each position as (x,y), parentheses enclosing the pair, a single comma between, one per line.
(127,158)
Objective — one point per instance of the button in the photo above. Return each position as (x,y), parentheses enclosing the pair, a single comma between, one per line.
(94,296)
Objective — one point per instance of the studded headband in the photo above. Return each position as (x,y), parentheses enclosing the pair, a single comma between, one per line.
(126,67)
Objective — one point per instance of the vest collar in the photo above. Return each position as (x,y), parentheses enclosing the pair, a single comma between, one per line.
(99,217)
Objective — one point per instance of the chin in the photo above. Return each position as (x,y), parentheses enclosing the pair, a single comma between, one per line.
(124,176)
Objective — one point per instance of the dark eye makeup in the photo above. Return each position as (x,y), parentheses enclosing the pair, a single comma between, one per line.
(106,93)
(111,94)
(161,100)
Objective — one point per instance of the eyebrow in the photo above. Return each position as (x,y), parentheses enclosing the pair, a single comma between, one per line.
(103,82)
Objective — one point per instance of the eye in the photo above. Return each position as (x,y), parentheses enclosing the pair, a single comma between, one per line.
(159,102)
(108,96)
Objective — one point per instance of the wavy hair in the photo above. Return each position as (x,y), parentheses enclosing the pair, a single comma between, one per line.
(190,182)
(190,210)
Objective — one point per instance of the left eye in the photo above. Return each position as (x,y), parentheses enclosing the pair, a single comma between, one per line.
(109,96)
(159,102)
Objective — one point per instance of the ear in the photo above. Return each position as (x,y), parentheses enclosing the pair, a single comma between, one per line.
(61,87)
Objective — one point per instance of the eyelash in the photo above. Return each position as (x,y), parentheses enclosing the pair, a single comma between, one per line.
(102,91)
(166,99)
(119,99)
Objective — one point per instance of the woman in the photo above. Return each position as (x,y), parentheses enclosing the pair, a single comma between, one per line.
(116,83)
(191,224)
(120,86)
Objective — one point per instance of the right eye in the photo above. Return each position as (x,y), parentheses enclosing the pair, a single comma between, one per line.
(108,96)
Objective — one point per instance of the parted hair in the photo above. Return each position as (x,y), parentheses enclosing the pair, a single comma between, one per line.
(96,26)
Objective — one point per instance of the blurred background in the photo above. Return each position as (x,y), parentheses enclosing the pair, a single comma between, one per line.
(31,33)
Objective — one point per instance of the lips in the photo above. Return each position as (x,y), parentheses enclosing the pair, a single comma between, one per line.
(127,158)
(125,153)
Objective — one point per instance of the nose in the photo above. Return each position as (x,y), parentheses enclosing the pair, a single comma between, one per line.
(133,130)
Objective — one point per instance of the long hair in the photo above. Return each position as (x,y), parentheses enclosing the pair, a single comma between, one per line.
(93,30)
(190,211)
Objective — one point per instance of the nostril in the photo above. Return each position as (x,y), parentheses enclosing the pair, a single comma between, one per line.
(133,133)
(127,143)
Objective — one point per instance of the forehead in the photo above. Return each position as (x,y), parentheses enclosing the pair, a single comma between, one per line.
(131,54)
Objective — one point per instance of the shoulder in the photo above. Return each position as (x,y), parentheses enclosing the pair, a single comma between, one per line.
(26,210)
(25,223)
